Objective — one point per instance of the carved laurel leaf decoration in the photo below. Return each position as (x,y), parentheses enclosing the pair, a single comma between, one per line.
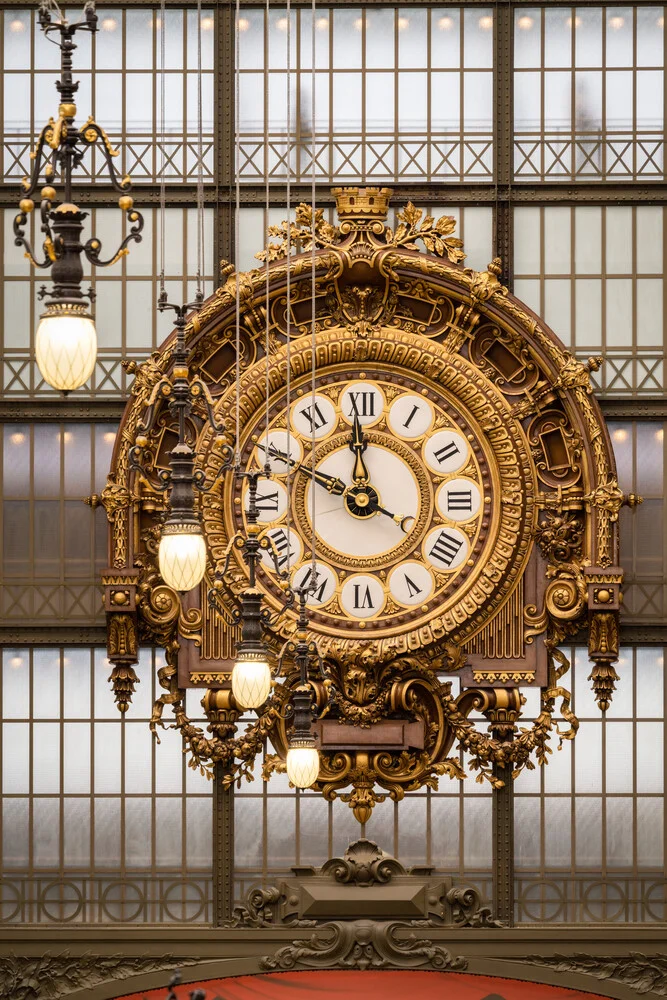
(434,235)
(300,235)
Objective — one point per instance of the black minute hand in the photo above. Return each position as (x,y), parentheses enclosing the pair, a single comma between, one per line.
(331,483)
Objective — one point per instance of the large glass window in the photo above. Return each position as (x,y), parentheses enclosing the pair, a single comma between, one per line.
(53,546)
(640,456)
(595,273)
(128,323)
(589,93)
(119,86)
(401,93)
(589,827)
(99,823)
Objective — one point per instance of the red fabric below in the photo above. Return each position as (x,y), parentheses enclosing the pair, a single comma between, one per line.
(371,985)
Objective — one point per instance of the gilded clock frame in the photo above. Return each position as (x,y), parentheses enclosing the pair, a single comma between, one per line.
(381,299)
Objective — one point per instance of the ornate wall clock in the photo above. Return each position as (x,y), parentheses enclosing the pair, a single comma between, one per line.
(464,497)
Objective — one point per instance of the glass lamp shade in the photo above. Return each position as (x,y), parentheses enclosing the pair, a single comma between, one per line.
(303,765)
(182,556)
(251,682)
(66,347)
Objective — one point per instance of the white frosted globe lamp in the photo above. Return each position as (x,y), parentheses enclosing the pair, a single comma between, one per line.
(251,680)
(303,762)
(182,555)
(66,346)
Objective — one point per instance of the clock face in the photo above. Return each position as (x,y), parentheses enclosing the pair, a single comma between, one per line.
(398,488)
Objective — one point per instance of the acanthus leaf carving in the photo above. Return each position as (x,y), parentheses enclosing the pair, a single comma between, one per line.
(50,976)
(364,944)
(645,974)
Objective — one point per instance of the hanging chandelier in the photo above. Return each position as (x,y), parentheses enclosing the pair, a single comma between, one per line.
(66,340)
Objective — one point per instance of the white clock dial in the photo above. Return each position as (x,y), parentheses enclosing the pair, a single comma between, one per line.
(446,452)
(362,596)
(314,413)
(364,400)
(410,416)
(458,499)
(323,586)
(411,583)
(271,500)
(446,548)
(396,488)
(287,546)
(281,442)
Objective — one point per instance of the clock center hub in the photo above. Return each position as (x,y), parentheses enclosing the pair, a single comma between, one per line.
(361,501)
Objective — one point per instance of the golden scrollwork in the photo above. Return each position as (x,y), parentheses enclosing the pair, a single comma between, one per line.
(485,284)
(91,132)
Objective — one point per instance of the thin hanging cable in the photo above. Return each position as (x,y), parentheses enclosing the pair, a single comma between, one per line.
(200,163)
(163,137)
(267,362)
(288,330)
(237,212)
(313,366)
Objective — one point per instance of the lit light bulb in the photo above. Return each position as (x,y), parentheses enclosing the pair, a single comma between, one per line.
(251,681)
(109,437)
(242,24)
(65,346)
(322,24)
(16,25)
(17,437)
(620,434)
(659,434)
(282,23)
(109,24)
(576,21)
(486,22)
(660,22)
(16,662)
(616,22)
(403,23)
(446,23)
(207,23)
(182,555)
(525,22)
(303,763)
(359,23)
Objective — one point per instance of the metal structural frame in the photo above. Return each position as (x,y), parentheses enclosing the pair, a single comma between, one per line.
(501,194)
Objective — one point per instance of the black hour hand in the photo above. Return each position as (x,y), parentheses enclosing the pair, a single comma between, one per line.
(358,445)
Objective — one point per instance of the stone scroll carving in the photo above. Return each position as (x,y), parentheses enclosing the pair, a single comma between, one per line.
(373,886)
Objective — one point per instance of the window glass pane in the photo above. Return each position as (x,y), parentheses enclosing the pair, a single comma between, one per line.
(583,53)
(128,42)
(617,310)
(143,838)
